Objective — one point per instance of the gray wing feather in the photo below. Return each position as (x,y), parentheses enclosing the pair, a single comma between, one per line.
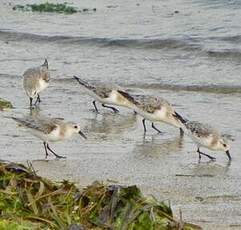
(201,129)
(36,124)
(151,103)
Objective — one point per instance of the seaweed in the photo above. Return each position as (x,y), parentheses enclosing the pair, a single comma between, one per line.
(28,201)
(50,8)
(5,104)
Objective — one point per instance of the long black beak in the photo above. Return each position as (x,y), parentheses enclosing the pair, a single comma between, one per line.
(228,154)
(81,134)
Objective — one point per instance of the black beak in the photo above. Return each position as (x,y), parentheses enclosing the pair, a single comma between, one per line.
(81,134)
(228,154)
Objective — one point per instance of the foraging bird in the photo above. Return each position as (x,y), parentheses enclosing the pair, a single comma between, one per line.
(35,80)
(206,136)
(106,95)
(49,129)
(156,109)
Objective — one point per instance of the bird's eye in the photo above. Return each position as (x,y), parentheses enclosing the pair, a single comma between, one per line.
(224,145)
(76,127)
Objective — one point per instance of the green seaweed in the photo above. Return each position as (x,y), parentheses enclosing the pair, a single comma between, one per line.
(47,7)
(5,104)
(28,201)
(51,8)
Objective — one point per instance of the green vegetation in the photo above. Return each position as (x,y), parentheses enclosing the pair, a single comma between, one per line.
(5,104)
(51,7)
(47,7)
(28,201)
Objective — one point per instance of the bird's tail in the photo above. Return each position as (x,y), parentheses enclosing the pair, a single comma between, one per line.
(128,100)
(19,120)
(27,122)
(46,64)
(127,96)
(83,83)
(180,118)
(181,122)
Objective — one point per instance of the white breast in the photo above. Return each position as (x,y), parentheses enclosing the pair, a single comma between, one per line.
(146,115)
(201,141)
(112,99)
(160,114)
(52,136)
(42,85)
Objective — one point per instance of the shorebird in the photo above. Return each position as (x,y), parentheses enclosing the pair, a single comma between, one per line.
(35,80)
(206,136)
(49,130)
(107,95)
(155,109)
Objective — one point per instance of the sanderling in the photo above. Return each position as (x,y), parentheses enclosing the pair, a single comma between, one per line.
(107,95)
(35,80)
(206,136)
(49,129)
(155,109)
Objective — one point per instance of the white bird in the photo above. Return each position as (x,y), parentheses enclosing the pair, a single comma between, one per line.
(106,94)
(36,80)
(155,109)
(206,136)
(49,129)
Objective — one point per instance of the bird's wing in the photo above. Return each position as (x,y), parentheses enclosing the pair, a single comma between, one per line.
(150,103)
(36,124)
(201,129)
(102,91)
(127,96)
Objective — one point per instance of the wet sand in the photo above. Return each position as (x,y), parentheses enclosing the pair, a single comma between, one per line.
(208,193)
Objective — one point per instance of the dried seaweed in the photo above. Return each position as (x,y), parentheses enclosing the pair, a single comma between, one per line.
(28,201)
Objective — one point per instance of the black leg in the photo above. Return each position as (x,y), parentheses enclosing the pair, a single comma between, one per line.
(109,107)
(95,107)
(154,127)
(37,100)
(201,153)
(31,102)
(35,103)
(144,125)
(181,132)
(46,151)
(58,156)
(229,156)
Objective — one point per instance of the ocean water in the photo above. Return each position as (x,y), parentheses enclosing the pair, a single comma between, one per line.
(188,52)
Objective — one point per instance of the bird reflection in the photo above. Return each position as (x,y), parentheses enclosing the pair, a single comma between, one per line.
(111,126)
(34,111)
(157,147)
(209,169)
